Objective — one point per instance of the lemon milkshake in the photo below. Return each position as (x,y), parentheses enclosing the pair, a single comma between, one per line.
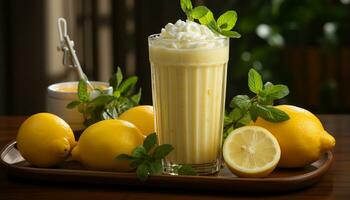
(188,66)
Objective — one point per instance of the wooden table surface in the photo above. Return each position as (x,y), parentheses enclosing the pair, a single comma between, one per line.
(334,185)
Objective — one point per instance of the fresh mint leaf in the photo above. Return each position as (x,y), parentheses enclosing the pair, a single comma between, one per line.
(150,142)
(156,167)
(124,157)
(102,100)
(116,94)
(254,112)
(116,79)
(241,101)
(127,85)
(227,120)
(258,106)
(265,99)
(142,172)
(213,27)
(267,85)
(231,34)
(136,162)
(186,6)
(208,19)
(235,114)
(73,104)
(106,106)
(139,151)
(271,114)
(276,91)
(222,26)
(137,97)
(263,112)
(227,21)
(245,120)
(199,12)
(227,131)
(254,81)
(83,94)
(272,92)
(186,170)
(147,163)
(278,115)
(161,151)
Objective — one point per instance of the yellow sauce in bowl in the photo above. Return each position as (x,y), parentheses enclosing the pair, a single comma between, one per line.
(74,88)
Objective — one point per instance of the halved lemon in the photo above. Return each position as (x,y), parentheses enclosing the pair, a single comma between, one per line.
(251,151)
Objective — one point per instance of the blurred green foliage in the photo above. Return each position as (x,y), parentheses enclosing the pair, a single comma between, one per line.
(270,27)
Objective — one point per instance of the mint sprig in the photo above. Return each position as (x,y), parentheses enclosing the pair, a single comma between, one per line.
(106,106)
(186,6)
(224,25)
(246,109)
(147,159)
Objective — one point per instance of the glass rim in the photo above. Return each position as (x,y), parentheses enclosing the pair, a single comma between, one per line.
(156,36)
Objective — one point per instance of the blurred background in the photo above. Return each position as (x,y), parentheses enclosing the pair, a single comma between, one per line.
(304,44)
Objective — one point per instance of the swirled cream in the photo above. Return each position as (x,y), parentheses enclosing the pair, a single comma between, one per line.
(188,34)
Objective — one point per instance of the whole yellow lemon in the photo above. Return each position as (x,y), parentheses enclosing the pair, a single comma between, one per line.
(45,140)
(142,117)
(102,142)
(302,138)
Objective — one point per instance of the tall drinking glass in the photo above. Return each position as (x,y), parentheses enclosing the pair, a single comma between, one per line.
(188,86)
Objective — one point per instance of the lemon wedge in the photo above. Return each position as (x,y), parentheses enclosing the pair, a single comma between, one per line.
(251,151)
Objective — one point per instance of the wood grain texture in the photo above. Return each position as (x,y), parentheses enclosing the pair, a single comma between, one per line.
(334,185)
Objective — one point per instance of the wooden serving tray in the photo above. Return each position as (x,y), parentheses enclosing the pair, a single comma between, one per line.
(281,180)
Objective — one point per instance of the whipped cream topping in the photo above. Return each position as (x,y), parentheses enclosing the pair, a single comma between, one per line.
(187,35)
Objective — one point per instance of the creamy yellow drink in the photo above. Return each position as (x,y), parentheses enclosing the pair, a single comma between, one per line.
(189,64)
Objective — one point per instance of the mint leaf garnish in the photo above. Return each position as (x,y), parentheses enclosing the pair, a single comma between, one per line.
(223,25)
(186,6)
(246,109)
(186,170)
(127,85)
(162,151)
(125,157)
(231,34)
(106,106)
(254,81)
(73,104)
(150,142)
(139,152)
(241,101)
(271,114)
(137,97)
(200,12)
(277,91)
(102,100)
(116,79)
(156,167)
(227,20)
(235,114)
(83,94)
(142,172)
(147,162)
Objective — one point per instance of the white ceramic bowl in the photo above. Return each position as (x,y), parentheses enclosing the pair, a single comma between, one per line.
(57,101)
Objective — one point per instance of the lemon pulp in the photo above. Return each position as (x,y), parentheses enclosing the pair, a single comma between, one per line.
(251,151)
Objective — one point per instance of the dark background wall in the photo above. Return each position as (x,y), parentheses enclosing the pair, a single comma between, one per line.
(21,58)
(314,63)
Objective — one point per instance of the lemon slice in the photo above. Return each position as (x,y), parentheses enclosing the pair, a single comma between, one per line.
(251,151)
